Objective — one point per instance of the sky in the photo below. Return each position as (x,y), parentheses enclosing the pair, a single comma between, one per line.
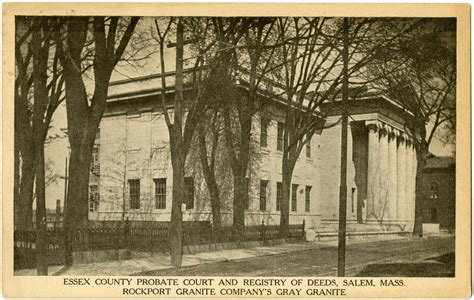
(57,151)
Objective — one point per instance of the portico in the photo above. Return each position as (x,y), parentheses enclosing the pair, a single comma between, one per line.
(391,173)
(381,166)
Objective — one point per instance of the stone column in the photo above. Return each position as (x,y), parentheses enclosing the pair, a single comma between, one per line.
(409,178)
(401,178)
(392,176)
(372,169)
(382,209)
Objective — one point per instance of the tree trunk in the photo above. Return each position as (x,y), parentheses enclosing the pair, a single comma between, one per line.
(215,207)
(241,190)
(239,161)
(25,221)
(240,194)
(78,185)
(421,155)
(176,229)
(41,243)
(211,183)
(77,208)
(16,184)
(287,173)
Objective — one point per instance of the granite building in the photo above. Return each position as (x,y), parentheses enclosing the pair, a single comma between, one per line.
(134,179)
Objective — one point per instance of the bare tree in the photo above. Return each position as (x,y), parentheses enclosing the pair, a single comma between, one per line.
(84,112)
(311,73)
(38,93)
(425,84)
(243,102)
(24,147)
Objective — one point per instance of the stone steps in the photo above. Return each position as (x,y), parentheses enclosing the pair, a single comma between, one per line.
(355,227)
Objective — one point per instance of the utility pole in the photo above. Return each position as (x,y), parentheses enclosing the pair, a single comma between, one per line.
(341,249)
(66,228)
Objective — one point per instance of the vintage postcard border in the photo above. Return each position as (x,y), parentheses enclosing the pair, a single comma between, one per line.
(416,287)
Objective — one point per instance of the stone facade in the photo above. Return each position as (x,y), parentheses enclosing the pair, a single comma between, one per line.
(134,153)
(134,146)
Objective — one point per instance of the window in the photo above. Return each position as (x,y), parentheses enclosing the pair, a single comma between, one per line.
(263,132)
(434,190)
(263,194)
(307,199)
(134,188)
(294,189)
(247,187)
(95,166)
(280,130)
(94,198)
(279,195)
(308,147)
(160,193)
(189,185)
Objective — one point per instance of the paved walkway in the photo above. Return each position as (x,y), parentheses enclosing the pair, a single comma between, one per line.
(144,262)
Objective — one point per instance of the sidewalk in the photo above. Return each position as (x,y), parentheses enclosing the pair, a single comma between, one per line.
(158,261)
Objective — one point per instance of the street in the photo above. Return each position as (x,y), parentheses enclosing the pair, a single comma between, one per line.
(427,257)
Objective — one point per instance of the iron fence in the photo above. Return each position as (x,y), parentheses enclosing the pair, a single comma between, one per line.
(140,238)
(25,248)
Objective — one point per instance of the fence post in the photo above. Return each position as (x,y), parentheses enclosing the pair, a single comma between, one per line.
(303,234)
(212,238)
(151,240)
(183,239)
(126,233)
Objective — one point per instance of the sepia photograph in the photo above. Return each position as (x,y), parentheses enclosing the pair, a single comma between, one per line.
(268,147)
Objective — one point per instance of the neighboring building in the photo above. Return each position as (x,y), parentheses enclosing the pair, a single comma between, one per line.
(437,190)
(54,217)
(135,176)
